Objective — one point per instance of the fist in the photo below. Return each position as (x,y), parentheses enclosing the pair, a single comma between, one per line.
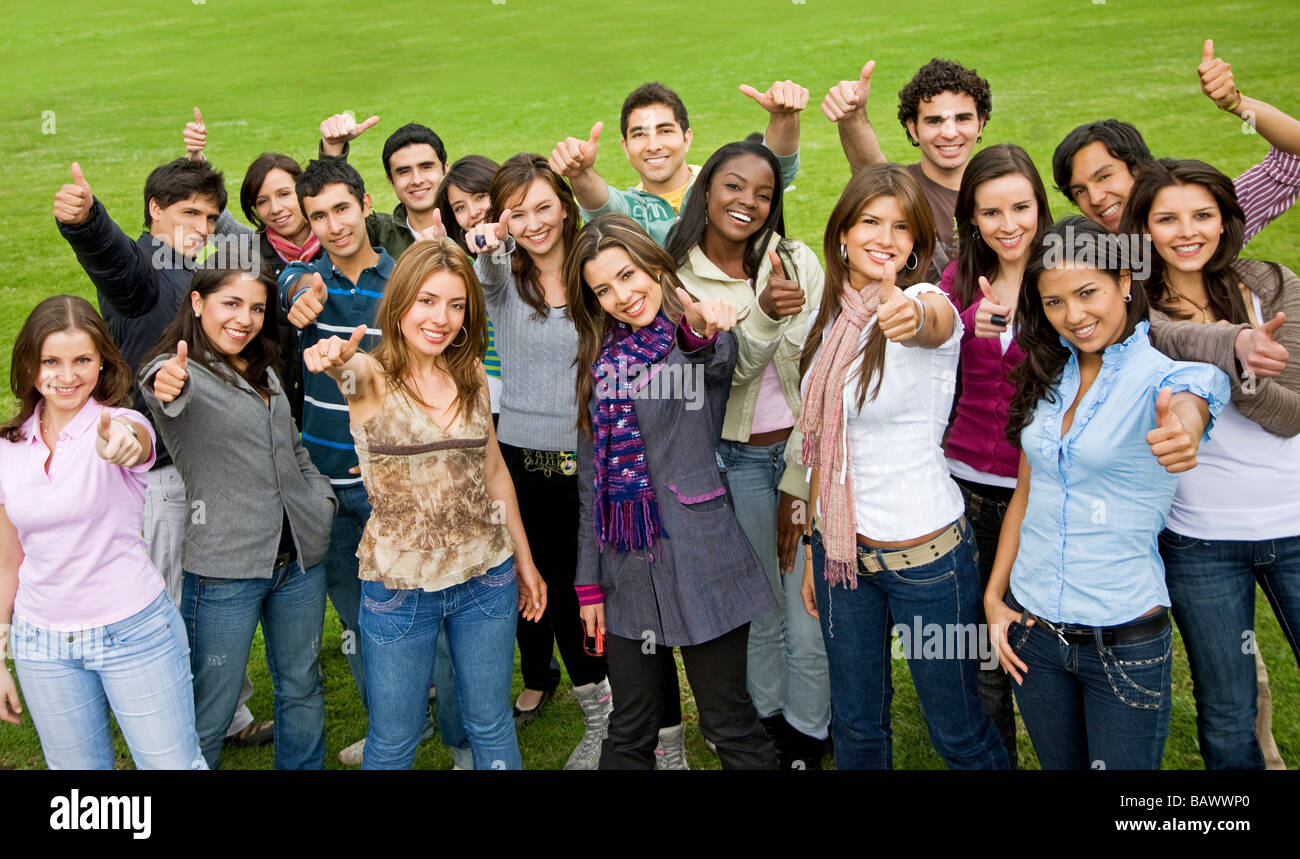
(436,230)
(333,352)
(1171,444)
(898,315)
(846,97)
(309,302)
(572,156)
(72,202)
(1258,353)
(1216,79)
(781,297)
(116,443)
(782,97)
(487,236)
(707,318)
(986,325)
(170,379)
(339,129)
(195,136)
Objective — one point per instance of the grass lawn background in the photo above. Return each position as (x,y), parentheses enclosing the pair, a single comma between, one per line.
(118,83)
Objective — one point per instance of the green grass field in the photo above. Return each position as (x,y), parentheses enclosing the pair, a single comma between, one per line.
(111,86)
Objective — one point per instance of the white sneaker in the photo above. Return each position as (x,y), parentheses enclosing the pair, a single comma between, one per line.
(670,754)
(597,702)
(351,756)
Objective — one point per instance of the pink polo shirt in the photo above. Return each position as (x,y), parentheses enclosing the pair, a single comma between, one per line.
(85,560)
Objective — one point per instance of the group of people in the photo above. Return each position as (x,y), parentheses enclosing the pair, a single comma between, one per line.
(527,407)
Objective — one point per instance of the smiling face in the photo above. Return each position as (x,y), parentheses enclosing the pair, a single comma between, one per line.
(434,320)
(1085,306)
(626,292)
(277,206)
(416,171)
(656,147)
(1100,184)
(185,224)
(880,234)
(947,128)
(69,370)
(232,316)
(537,219)
(1006,213)
(338,220)
(470,209)
(739,198)
(1186,226)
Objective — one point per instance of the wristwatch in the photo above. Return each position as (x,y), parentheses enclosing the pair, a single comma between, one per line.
(126,425)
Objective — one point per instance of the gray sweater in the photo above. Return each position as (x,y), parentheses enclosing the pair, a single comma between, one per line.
(244,468)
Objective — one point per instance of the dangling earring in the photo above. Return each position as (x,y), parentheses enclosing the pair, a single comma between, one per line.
(466,333)
(977,235)
(844,253)
(914,260)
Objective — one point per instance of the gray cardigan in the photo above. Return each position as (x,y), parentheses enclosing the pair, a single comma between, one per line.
(244,467)
(1274,404)
(703,579)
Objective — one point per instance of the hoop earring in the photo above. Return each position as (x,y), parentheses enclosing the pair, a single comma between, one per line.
(463,331)
(914,260)
(1128,296)
(844,253)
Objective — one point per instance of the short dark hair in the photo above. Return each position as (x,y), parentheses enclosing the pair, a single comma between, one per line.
(939,76)
(328,171)
(180,180)
(408,135)
(1121,140)
(653,93)
(256,175)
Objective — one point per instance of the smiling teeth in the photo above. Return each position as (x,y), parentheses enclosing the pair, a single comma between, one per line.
(740,216)
(880,257)
(1110,211)
(1183,249)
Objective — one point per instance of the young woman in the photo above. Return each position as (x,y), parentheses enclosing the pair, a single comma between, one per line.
(534,210)
(261,512)
(1001,207)
(669,563)
(728,248)
(1077,597)
(1235,519)
(880,365)
(444,542)
(92,626)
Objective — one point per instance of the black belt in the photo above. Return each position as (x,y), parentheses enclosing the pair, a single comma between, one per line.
(1069,633)
(283,559)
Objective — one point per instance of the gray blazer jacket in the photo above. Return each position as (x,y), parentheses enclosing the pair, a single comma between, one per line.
(702,579)
(244,466)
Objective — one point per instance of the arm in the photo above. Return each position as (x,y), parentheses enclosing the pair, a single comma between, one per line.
(900,314)
(124,442)
(357,374)
(586,581)
(575,160)
(846,106)
(11,558)
(1274,403)
(118,267)
(783,101)
(501,489)
(493,269)
(165,383)
(1000,616)
(1217,82)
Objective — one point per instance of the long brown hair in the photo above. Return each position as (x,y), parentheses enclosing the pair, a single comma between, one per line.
(871,183)
(509,187)
(463,360)
(591,320)
(54,314)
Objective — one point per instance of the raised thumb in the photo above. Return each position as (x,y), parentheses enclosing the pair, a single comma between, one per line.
(1163,399)
(183,353)
(77,176)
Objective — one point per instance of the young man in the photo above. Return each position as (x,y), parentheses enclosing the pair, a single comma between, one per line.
(656,137)
(943,109)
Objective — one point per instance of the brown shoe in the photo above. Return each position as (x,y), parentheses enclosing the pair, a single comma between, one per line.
(257,733)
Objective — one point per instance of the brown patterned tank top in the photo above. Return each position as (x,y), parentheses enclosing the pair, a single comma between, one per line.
(432,523)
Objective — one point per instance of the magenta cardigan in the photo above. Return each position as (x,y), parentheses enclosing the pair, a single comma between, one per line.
(977,435)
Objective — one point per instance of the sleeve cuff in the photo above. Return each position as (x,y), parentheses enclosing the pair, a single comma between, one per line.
(589,594)
(689,340)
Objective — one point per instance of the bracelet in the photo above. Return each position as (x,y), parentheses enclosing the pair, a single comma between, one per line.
(920,324)
(301,293)
(126,425)
(1235,105)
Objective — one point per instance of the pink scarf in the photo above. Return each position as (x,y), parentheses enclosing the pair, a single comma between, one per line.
(289,252)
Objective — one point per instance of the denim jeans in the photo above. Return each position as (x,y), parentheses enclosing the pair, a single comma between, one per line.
(399,632)
(140,667)
(221,616)
(1092,706)
(444,678)
(855,627)
(787,660)
(341,582)
(1212,589)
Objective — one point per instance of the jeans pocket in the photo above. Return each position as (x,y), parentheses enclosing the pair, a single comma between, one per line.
(387,614)
(1017,635)
(151,621)
(495,592)
(1174,540)
(1138,671)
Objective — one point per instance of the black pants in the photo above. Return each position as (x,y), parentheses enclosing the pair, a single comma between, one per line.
(716,672)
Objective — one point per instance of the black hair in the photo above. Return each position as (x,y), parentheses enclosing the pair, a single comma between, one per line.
(648,94)
(472,174)
(407,135)
(256,175)
(1121,140)
(180,180)
(329,171)
(939,76)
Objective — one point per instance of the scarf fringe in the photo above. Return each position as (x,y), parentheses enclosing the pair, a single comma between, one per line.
(632,523)
(808,451)
(841,573)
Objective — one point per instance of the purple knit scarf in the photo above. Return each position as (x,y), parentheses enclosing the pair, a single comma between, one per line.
(626,513)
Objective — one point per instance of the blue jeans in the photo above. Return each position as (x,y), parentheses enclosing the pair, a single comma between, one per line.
(341,582)
(140,667)
(399,632)
(1095,706)
(444,678)
(1212,589)
(855,627)
(221,616)
(787,660)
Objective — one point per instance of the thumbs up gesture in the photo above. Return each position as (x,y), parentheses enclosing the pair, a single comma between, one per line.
(898,316)
(781,297)
(170,379)
(338,129)
(72,202)
(488,236)
(196,137)
(436,230)
(1258,353)
(1170,442)
(572,156)
(333,352)
(707,318)
(986,325)
(846,97)
(1216,79)
(116,443)
(781,97)
(309,302)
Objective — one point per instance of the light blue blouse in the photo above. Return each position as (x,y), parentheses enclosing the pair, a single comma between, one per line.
(1097,497)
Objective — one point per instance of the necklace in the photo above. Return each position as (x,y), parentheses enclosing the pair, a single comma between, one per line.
(1205,311)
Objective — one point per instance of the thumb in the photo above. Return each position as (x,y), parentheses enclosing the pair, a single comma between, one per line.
(367,124)
(317,285)
(198,117)
(183,354)
(888,288)
(865,78)
(1207,51)
(79,177)
(357,333)
(437,223)
(1162,406)
(778,270)
(595,133)
(688,303)
(987,289)
(1270,328)
(503,225)
(752,93)
(105,421)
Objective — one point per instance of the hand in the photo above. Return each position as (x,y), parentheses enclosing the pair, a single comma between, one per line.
(593,619)
(72,202)
(846,97)
(807,592)
(788,530)
(10,705)
(1258,353)
(572,156)
(532,591)
(781,297)
(336,131)
(435,230)
(1171,444)
(305,308)
(488,236)
(1000,617)
(1216,79)
(988,308)
(332,352)
(117,444)
(195,136)
(782,97)
(169,381)
(898,314)
(707,318)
